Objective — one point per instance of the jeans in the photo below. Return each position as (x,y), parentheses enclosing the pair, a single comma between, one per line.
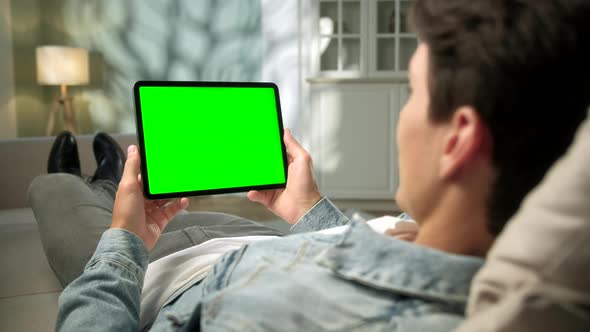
(72,213)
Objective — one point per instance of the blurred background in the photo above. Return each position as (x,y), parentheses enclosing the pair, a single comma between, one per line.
(126,41)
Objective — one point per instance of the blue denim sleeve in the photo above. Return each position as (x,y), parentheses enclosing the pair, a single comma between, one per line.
(323,215)
(107,295)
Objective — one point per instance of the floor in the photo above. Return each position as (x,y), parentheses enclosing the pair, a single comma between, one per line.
(28,287)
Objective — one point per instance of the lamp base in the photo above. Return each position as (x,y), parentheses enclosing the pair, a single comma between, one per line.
(64,105)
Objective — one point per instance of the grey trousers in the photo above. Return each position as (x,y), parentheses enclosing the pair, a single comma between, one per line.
(72,213)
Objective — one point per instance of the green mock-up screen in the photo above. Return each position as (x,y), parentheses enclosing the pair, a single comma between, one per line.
(208,138)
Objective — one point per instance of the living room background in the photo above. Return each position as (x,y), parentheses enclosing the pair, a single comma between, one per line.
(129,40)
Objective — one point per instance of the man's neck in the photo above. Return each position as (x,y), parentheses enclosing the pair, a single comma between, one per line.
(456,227)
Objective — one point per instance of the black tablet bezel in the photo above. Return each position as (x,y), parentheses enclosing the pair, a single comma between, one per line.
(141,141)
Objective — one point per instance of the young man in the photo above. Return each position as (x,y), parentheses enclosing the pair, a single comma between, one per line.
(487,116)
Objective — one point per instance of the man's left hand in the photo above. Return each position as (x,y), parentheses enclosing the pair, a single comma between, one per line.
(404,230)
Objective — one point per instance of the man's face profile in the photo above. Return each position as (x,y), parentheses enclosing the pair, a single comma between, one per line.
(418,142)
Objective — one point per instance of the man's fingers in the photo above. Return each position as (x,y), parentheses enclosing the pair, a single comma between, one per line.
(131,170)
(254,196)
(404,230)
(162,202)
(262,197)
(293,147)
(406,237)
(170,210)
(407,226)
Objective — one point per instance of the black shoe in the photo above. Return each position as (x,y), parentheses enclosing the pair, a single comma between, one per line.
(109,158)
(63,157)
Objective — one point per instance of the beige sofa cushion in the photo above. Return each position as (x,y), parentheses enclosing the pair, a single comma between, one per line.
(537,276)
(25,158)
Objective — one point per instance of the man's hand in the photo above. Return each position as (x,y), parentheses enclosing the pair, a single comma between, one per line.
(301,192)
(404,230)
(136,214)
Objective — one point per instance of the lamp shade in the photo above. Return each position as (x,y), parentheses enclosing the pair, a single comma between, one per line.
(58,65)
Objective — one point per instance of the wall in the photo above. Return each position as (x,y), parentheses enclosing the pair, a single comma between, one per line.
(7,113)
(282,61)
(29,97)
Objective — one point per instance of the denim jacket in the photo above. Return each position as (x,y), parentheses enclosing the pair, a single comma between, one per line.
(358,280)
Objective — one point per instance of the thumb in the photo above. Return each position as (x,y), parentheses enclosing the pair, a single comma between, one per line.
(131,170)
(293,147)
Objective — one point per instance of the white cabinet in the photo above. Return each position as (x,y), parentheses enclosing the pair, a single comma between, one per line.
(359,52)
(352,139)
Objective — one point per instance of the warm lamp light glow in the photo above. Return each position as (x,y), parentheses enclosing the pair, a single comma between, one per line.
(59,65)
(63,66)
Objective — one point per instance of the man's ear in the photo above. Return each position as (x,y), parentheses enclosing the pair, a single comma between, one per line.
(467,138)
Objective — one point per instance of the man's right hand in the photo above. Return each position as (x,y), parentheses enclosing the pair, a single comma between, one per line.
(142,217)
(301,192)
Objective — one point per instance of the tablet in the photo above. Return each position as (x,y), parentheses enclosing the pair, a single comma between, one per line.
(203,138)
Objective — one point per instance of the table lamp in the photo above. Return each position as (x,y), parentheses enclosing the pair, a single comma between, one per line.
(63,66)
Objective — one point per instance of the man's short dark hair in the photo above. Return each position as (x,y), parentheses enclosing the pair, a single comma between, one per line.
(524,66)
